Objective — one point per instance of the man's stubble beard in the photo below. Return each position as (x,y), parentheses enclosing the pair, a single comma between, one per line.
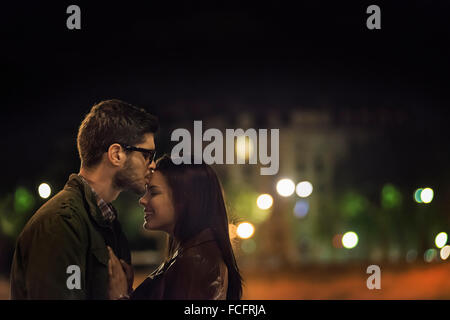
(125,179)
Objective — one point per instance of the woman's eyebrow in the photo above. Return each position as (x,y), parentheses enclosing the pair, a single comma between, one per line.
(153,187)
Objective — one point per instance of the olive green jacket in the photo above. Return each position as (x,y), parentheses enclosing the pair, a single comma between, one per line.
(67,233)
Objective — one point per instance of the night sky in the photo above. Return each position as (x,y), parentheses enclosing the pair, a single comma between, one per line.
(186,60)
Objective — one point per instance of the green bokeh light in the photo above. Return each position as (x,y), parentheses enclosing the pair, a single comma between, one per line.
(390,197)
(417,194)
(430,255)
(248,246)
(7,227)
(245,206)
(23,200)
(353,204)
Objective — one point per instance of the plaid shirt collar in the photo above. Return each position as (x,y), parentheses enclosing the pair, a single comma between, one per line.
(106,208)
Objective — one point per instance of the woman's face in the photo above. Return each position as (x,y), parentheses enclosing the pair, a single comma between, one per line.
(158,205)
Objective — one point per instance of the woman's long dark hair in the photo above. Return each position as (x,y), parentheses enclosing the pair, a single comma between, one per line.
(199,204)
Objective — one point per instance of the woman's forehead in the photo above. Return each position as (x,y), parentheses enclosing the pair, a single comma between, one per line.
(157,179)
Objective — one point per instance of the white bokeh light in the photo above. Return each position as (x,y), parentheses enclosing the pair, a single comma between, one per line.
(441,239)
(285,187)
(44,190)
(350,240)
(427,195)
(245,230)
(264,201)
(304,189)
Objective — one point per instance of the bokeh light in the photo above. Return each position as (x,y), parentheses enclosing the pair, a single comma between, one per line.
(411,256)
(44,190)
(23,200)
(244,147)
(350,240)
(337,241)
(285,187)
(441,239)
(353,204)
(245,230)
(248,246)
(417,195)
(427,195)
(430,255)
(445,252)
(264,201)
(301,208)
(391,197)
(304,189)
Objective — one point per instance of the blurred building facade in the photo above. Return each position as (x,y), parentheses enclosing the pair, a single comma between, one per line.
(313,145)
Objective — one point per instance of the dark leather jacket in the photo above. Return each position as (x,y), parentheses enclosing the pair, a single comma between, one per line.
(195,272)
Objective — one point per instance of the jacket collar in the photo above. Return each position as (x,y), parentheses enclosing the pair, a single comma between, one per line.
(75,182)
(206,235)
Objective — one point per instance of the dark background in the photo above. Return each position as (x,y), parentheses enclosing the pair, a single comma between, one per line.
(186,60)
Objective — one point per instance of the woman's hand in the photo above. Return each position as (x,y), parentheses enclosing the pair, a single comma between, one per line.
(118,284)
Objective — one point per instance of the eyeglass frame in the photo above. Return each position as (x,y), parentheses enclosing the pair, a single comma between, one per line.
(144,151)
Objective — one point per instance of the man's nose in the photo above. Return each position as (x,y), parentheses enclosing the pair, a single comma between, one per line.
(152,166)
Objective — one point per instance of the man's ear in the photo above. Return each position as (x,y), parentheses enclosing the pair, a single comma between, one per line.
(116,155)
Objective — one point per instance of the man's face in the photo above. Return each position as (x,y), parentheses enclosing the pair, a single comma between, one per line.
(132,176)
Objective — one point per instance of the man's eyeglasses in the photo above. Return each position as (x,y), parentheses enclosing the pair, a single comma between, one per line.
(149,154)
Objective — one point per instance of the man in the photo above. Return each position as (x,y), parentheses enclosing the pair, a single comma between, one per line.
(62,252)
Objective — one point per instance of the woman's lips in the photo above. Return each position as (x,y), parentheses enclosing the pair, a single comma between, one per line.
(148,214)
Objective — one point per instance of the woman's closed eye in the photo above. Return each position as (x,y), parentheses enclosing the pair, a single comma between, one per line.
(153,191)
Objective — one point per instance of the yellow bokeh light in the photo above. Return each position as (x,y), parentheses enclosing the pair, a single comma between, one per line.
(264,201)
(445,252)
(285,187)
(44,190)
(244,147)
(245,230)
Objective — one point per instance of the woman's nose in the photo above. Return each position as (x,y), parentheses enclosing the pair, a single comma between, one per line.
(143,201)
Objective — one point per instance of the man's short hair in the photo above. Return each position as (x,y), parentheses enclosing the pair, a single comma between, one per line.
(109,122)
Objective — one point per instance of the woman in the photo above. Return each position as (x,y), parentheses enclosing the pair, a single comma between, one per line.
(185,201)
